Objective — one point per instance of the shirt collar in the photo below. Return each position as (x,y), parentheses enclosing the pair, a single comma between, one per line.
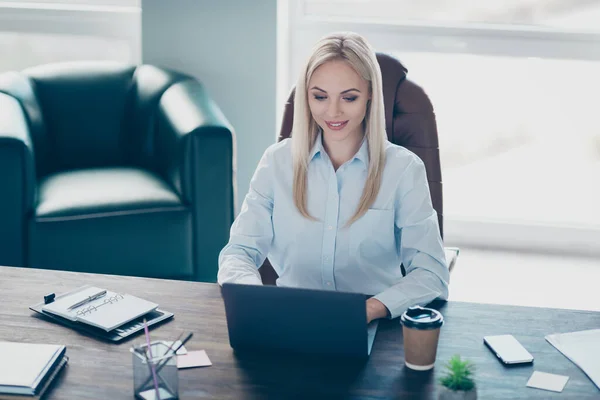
(363,153)
(317,147)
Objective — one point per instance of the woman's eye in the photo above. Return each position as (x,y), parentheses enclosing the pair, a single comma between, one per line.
(320,98)
(350,99)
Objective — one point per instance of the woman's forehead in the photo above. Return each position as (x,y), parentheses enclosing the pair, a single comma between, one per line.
(337,76)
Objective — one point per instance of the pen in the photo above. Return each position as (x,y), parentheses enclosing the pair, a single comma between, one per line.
(172,350)
(88,299)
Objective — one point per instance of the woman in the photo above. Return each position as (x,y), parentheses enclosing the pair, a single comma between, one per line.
(337,206)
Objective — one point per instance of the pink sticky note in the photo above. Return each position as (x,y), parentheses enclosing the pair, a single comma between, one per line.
(193,359)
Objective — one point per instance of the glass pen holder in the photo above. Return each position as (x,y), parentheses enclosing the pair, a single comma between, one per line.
(155,377)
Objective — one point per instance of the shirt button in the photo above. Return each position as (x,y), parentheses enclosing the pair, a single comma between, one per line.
(328,283)
(325,258)
(330,227)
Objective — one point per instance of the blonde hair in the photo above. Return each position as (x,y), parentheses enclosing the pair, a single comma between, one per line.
(353,49)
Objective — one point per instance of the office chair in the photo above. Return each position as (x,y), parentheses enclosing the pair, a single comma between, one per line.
(114,169)
(410,122)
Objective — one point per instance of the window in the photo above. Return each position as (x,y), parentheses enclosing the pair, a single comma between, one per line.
(44,31)
(561,14)
(515,87)
(519,137)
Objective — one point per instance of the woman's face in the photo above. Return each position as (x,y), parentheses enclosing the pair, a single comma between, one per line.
(337,97)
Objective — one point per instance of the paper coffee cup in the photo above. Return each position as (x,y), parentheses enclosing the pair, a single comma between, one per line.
(421,331)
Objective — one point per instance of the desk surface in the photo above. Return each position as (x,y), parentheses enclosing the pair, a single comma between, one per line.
(103,370)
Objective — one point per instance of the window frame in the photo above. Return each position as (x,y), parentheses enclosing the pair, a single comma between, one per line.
(118,22)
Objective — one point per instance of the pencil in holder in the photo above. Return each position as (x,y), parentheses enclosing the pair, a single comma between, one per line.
(155,377)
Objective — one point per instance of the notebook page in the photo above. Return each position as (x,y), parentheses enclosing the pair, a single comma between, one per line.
(22,363)
(114,310)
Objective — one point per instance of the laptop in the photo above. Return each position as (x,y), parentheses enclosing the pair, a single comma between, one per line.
(294,320)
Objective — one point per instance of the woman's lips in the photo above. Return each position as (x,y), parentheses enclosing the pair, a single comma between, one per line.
(336,125)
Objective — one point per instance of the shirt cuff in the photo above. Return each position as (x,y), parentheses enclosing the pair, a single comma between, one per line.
(395,305)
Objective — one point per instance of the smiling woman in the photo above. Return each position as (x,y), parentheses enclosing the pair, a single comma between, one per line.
(327,207)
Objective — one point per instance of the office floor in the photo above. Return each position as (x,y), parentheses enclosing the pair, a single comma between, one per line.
(537,280)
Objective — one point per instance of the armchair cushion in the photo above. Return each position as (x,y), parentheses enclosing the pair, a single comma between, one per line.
(110,219)
(90,193)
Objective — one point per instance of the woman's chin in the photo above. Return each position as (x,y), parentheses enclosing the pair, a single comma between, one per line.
(337,135)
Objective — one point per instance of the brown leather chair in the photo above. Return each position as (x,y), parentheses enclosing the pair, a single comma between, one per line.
(409,121)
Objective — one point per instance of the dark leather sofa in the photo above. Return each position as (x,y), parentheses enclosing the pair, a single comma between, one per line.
(116,169)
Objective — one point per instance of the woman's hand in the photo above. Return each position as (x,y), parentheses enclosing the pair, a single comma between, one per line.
(375,309)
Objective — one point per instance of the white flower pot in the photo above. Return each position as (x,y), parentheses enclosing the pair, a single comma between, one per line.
(447,394)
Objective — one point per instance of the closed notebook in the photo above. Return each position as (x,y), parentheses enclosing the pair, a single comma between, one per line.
(107,312)
(26,369)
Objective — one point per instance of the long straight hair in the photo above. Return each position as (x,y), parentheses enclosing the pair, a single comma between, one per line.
(356,51)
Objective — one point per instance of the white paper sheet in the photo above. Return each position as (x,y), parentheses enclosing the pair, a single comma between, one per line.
(546,381)
(582,348)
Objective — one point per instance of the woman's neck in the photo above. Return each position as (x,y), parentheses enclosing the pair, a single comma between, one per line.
(342,151)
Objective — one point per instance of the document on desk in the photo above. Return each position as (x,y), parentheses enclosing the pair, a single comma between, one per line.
(582,348)
(107,312)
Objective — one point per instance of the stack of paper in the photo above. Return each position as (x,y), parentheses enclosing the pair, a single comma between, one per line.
(582,348)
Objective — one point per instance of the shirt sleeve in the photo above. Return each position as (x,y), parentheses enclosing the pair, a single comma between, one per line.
(251,233)
(421,247)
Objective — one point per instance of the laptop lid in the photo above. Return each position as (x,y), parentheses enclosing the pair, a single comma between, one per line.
(297,320)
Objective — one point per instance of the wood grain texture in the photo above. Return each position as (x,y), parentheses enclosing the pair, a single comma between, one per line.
(99,370)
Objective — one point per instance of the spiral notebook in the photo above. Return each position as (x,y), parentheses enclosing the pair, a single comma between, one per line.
(102,308)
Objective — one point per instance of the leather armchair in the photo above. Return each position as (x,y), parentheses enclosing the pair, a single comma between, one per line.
(410,122)
(116,169)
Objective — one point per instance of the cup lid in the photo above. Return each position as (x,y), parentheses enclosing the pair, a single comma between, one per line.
(418,317)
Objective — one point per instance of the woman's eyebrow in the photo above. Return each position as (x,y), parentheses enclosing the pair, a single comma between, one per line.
(344,92)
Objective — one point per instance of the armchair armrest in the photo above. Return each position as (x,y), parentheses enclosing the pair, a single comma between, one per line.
(17,181)
(195,148)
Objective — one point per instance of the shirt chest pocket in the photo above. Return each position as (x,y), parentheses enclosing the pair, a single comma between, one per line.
(372,236)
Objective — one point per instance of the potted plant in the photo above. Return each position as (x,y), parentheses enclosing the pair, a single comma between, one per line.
(458,383)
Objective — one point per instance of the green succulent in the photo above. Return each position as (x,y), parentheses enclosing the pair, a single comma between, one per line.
(459,375)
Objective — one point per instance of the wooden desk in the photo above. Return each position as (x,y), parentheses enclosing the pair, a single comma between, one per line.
(101,370)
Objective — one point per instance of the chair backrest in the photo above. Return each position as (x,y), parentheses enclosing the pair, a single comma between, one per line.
(89,114)
(409,119)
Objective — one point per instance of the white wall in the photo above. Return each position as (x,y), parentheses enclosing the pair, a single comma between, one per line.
(231,47)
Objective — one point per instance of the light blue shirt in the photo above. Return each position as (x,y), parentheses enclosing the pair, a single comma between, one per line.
(401,227)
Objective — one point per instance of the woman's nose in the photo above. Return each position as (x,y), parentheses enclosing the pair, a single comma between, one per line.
(334,109)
